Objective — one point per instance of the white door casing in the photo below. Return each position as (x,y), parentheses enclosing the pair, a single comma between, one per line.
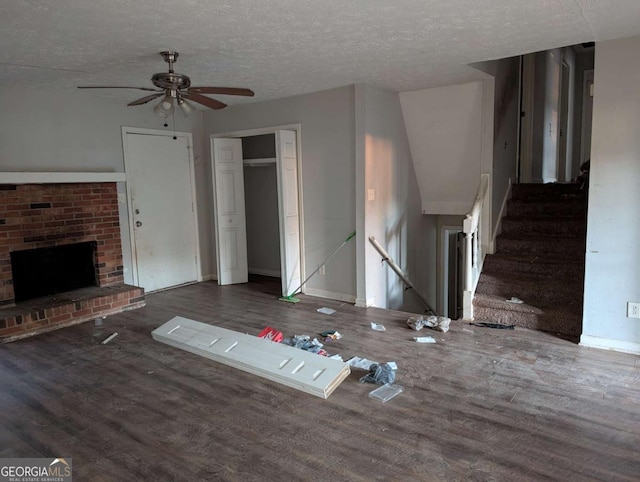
(230,220)
(289,212)
(161,193)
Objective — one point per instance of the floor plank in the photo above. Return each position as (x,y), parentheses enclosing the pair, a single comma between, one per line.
(480,404)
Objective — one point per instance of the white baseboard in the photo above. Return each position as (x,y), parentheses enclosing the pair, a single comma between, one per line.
(209,277)
(362,303)
(330,295)
(265,272)
(609,344)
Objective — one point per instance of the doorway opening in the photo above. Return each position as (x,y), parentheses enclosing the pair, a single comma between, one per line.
(258,205)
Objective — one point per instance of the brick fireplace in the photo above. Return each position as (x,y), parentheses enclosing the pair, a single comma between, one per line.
(34,216)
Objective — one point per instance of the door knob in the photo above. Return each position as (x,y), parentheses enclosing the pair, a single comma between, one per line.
(138,224)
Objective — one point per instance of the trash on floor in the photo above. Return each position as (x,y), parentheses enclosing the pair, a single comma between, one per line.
(304,342)
(271,334)
(468,331)
(326,311)
(386,392)
(515,300)
(424,339)
(109,338)
(380,373)
(330,335)
(438,323)
(375,326)
(493,325)
(337,357)
(362,363)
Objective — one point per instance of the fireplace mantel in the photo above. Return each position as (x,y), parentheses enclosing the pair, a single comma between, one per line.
(58,177)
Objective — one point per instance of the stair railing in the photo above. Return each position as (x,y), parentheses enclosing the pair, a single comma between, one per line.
(476,228)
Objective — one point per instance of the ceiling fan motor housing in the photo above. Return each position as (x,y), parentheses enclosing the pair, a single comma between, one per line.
(171,81)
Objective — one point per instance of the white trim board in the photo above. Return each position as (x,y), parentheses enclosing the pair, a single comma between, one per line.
(59,177)
(330,295)
(315,374)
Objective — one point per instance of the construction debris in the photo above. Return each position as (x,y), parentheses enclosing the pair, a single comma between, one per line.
(424,339)
(326,311)
(438,323)
(386,392)
(380,374)
(375,326)
(109,338)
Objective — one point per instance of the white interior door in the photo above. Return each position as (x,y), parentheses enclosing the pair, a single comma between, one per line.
(160,186)
(231,230)
(287,167)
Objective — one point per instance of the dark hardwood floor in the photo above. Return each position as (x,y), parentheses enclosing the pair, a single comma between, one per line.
(481,404)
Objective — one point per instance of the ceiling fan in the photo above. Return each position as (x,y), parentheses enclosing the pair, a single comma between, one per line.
(175,90)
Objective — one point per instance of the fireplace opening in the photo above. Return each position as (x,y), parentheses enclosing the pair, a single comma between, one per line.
(48,271)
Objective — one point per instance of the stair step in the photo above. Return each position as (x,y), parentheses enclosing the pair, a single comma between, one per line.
(549,293)
(533,268)
(565,320)
(566,226)
(543,208)
(570,248)
(548,192)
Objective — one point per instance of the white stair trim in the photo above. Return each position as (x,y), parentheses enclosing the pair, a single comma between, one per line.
(314,374)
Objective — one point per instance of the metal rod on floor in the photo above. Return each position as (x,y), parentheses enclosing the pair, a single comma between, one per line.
(403,276)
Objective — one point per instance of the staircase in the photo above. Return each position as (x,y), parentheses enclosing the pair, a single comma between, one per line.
(539,259)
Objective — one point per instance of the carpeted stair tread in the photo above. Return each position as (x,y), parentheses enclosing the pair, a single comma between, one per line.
(571,208)
(556,320)
(549,293)
(564,226)
(571,248)
(533,268)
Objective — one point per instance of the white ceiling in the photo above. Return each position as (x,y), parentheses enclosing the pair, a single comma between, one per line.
(285,47)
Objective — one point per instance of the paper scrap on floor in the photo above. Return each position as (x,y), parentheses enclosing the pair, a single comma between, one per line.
(326,311)
(361,363)
(375,326)
(424,339)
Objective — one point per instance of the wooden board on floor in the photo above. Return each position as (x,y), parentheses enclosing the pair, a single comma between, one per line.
(295,368)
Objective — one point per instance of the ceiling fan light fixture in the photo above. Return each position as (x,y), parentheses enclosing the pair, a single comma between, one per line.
(165,107)
(185,107)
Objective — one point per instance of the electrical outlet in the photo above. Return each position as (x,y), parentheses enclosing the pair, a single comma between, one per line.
(633,310)
(321,271)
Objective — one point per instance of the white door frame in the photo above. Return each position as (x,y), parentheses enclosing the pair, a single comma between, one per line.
(272,130)
(157,132)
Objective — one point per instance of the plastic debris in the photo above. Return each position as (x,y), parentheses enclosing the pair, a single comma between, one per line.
(380,374)
(362,363)
(386,392)
(493,325)
(271,334)
(375,326)
(337,357)
(468,331)
(326,311)
(109,338)
(330,335)
(424,339)
(438,323)
(515,300)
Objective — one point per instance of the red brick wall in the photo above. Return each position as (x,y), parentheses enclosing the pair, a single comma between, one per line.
(45,215)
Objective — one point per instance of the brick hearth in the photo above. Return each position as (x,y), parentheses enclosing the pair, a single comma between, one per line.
(46,215)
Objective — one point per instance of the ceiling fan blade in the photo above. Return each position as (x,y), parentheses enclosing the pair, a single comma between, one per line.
(222,91)
(146,99)
(116,87)
(206,101)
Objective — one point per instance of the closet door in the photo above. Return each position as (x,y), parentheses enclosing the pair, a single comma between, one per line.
(230,220)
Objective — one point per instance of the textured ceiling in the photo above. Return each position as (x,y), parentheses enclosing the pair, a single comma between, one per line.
(285,47)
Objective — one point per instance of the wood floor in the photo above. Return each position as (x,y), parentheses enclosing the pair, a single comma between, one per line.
(482,404)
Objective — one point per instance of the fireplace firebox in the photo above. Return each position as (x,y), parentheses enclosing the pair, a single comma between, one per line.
(52,270)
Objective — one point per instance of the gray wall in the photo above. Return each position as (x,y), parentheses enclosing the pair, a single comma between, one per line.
(50,131)
(328,174)
(394,215)
(612,276)
(261,207)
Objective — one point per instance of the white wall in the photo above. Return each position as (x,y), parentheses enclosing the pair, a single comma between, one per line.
(49,131)
(389,207)
(328,174)
(445,131)
(612,274)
